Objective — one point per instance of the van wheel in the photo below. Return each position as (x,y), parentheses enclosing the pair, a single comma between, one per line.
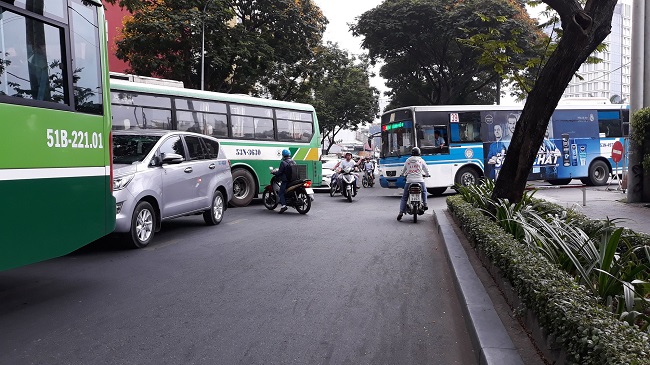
(214,216)
(243,187)
(143,223)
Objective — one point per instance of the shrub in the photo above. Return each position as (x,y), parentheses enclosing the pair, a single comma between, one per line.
(587,331)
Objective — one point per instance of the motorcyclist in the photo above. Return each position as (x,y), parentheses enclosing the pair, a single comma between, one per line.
(347,161)
(415,169)
(284,173)
(370,168)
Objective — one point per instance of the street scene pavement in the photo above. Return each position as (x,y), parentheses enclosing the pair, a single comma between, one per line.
(345,284)
(601,202)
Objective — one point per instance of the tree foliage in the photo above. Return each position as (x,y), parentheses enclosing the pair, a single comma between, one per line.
(342,94)
(258,47)
(430,56)
(584,28)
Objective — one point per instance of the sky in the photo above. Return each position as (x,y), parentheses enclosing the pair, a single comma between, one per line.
(341,12)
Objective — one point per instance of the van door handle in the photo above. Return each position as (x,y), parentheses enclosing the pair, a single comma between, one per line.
(212,166)
(188,170)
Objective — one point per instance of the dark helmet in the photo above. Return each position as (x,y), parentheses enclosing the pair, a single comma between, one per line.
(415,151)
(286,153)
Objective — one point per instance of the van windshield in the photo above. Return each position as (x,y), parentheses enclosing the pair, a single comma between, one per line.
(132,149)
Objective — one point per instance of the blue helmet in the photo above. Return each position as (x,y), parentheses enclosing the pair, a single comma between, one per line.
(286,153)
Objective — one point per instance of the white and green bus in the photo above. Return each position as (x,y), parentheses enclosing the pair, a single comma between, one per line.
(55,162)
(253,131)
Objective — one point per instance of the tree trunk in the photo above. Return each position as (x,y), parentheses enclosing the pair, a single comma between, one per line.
(583,30)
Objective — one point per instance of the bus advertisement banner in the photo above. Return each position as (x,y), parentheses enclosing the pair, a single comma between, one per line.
(570,143)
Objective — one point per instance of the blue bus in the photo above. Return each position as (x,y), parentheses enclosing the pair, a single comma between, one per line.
(577,144)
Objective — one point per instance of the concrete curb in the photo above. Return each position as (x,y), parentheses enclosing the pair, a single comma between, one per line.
(486,329)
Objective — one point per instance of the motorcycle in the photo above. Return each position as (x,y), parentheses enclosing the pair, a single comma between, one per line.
(368,179)
(414,204)
(299,194)
(346,184)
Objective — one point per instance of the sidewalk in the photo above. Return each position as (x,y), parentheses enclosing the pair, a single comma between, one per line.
(603,204)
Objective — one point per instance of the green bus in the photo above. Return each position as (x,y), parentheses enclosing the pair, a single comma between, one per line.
(253,131)
(55,164)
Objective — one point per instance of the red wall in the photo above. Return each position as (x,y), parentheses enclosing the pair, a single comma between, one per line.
(114,16)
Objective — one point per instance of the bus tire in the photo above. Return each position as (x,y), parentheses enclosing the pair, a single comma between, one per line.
(598,174)
(143,224)
(436,191)
(467,176)
(214,215)
(559,181)
(243,186)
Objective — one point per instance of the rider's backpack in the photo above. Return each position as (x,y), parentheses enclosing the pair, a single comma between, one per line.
(293,173)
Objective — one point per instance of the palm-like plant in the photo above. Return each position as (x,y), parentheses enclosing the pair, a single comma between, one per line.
(603,259)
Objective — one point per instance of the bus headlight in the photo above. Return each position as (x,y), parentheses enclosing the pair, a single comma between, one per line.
(121,182)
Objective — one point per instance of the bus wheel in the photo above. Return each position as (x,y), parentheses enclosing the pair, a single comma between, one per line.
(436,191)
(243,187)
(467,176)
(598,174)
(143,223)
(559,181)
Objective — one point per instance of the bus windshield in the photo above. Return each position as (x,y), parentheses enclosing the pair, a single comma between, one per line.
(397,139)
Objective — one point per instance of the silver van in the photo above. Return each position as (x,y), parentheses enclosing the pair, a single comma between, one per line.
(160,175)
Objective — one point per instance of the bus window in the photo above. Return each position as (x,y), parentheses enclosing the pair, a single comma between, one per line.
(133,117)
(85,63)
(30,60)
(467,128)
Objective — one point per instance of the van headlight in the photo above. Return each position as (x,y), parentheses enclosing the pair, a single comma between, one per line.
(121,182)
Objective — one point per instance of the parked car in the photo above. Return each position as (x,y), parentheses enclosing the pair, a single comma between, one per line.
(327,172)
(160,175)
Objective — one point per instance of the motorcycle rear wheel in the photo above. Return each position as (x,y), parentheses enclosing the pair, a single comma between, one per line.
(303,202)
(269,199)
(416,209)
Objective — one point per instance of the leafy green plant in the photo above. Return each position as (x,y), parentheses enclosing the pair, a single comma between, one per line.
(640,133)
(586,330)
(603,259)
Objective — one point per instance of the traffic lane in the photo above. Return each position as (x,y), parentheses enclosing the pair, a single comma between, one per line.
(259,288)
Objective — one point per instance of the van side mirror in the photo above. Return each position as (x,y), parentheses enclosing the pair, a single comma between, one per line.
(172,158)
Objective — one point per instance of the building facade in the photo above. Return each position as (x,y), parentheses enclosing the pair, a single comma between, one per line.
(611,77)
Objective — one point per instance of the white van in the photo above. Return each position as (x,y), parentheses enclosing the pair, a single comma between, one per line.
(160,175)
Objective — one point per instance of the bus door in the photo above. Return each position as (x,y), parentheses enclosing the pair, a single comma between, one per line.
(432,134)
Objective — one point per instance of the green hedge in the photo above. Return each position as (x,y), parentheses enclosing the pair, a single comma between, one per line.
(587,332)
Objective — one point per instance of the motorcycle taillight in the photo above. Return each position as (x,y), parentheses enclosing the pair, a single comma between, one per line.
(307,184)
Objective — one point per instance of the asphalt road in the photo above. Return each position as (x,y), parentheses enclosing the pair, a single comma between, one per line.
(345,284)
